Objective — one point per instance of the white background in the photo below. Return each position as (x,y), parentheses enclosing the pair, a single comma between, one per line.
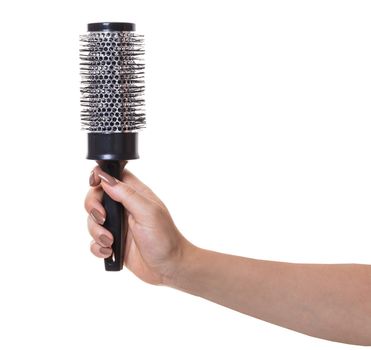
(258,141)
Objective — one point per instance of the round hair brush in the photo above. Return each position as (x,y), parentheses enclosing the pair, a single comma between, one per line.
(112,111)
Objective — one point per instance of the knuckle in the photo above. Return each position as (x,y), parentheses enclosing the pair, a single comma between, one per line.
(90,223)
(94,228)
(128,191)
(157,210)
(92,248)
(87,201)
(98,231)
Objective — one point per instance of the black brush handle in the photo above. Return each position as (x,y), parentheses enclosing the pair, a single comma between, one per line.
(115,218)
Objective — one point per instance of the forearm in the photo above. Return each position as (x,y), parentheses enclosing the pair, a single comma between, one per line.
(326,301)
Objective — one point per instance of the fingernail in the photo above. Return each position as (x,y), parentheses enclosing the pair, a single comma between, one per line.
(97,216)
(105,240)
(110,180)
(91,179)
(105,251)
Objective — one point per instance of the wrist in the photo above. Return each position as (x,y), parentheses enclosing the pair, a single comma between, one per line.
(185,264)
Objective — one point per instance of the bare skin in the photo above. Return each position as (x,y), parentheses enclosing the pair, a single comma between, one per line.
(329,301)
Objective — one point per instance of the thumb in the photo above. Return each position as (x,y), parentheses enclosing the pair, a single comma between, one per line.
(121,192)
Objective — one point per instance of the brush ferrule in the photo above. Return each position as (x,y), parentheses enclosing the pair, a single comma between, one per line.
(119,146)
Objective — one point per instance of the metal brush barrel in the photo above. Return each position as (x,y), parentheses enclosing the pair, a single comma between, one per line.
(112,72)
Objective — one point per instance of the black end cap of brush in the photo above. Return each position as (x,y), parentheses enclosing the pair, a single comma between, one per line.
(111,27)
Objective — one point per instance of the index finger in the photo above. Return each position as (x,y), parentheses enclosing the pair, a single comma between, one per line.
(130,179)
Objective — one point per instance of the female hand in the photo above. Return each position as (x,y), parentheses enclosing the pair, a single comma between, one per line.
(154,246)
(330,301)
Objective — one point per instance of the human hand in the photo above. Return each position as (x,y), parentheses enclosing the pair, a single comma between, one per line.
(154,246)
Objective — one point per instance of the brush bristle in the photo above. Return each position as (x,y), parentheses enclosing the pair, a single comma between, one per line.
(112,79)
